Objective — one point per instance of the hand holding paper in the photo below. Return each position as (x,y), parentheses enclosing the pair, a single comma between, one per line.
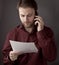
(23,47)
(13,55)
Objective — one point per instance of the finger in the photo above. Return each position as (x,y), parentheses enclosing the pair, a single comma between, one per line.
(36,22)
(36,19)
(13,53)
(13,57)
(40,19)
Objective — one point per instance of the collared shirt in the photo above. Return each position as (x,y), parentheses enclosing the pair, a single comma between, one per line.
(44,41)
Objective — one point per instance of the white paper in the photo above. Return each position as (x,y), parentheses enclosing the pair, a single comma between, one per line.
(23,47)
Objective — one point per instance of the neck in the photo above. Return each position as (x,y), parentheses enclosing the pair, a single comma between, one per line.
(29,29)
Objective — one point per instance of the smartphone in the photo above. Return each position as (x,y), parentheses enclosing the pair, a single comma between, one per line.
(36,14)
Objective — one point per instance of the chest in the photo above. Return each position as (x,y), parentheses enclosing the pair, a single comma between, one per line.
(25,37)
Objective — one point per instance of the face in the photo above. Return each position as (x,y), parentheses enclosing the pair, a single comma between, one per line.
(27,16)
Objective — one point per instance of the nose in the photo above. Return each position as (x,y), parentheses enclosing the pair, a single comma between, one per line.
(26,18)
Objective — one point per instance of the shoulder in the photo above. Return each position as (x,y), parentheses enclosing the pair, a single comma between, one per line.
(48,31)
(13,32)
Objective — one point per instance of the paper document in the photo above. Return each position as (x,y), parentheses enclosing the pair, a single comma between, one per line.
(23,47)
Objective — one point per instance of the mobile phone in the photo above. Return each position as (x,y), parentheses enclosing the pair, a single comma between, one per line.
(36,14)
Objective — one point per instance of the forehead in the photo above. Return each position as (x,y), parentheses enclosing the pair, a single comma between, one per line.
(26,10)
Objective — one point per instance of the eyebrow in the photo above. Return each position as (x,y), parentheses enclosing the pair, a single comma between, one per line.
(28,14)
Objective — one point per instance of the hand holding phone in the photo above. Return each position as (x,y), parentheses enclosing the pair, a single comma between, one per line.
(38,21)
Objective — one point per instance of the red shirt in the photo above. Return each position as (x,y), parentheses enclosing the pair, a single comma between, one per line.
(43,40)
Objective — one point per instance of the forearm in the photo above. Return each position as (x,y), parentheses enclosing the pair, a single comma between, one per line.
(49,50)
(47,43)
(6,59)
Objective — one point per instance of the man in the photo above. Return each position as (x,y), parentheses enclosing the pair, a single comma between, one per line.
(31,30)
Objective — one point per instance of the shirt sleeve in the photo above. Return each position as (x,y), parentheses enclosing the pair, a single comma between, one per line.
(47,43)
(7,48)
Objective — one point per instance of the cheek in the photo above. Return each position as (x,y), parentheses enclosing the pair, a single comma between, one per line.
(31,19)
(21,19)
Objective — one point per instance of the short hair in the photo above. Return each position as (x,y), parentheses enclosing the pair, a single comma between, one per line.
(27,3)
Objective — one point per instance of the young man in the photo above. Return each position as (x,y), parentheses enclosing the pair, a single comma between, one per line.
(31,30)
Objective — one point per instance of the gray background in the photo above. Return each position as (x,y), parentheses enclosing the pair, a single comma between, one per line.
(9,19)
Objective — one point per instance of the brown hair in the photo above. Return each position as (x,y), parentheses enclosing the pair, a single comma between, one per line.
(27,3)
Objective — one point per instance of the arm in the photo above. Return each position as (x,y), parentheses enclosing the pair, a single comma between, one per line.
(47,43)
(7,48)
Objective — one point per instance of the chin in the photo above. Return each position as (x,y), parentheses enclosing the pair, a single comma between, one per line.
(27,25)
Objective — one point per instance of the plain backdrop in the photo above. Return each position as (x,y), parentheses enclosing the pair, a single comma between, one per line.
(48,9)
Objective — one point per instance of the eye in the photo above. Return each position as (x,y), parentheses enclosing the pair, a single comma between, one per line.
(22,15)
(29,15)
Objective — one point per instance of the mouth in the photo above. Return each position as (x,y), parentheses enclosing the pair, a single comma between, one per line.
(27,24)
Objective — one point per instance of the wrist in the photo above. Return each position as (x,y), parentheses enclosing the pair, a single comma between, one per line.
(40,28)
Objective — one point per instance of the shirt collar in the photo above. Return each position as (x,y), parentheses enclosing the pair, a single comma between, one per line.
(33,31)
